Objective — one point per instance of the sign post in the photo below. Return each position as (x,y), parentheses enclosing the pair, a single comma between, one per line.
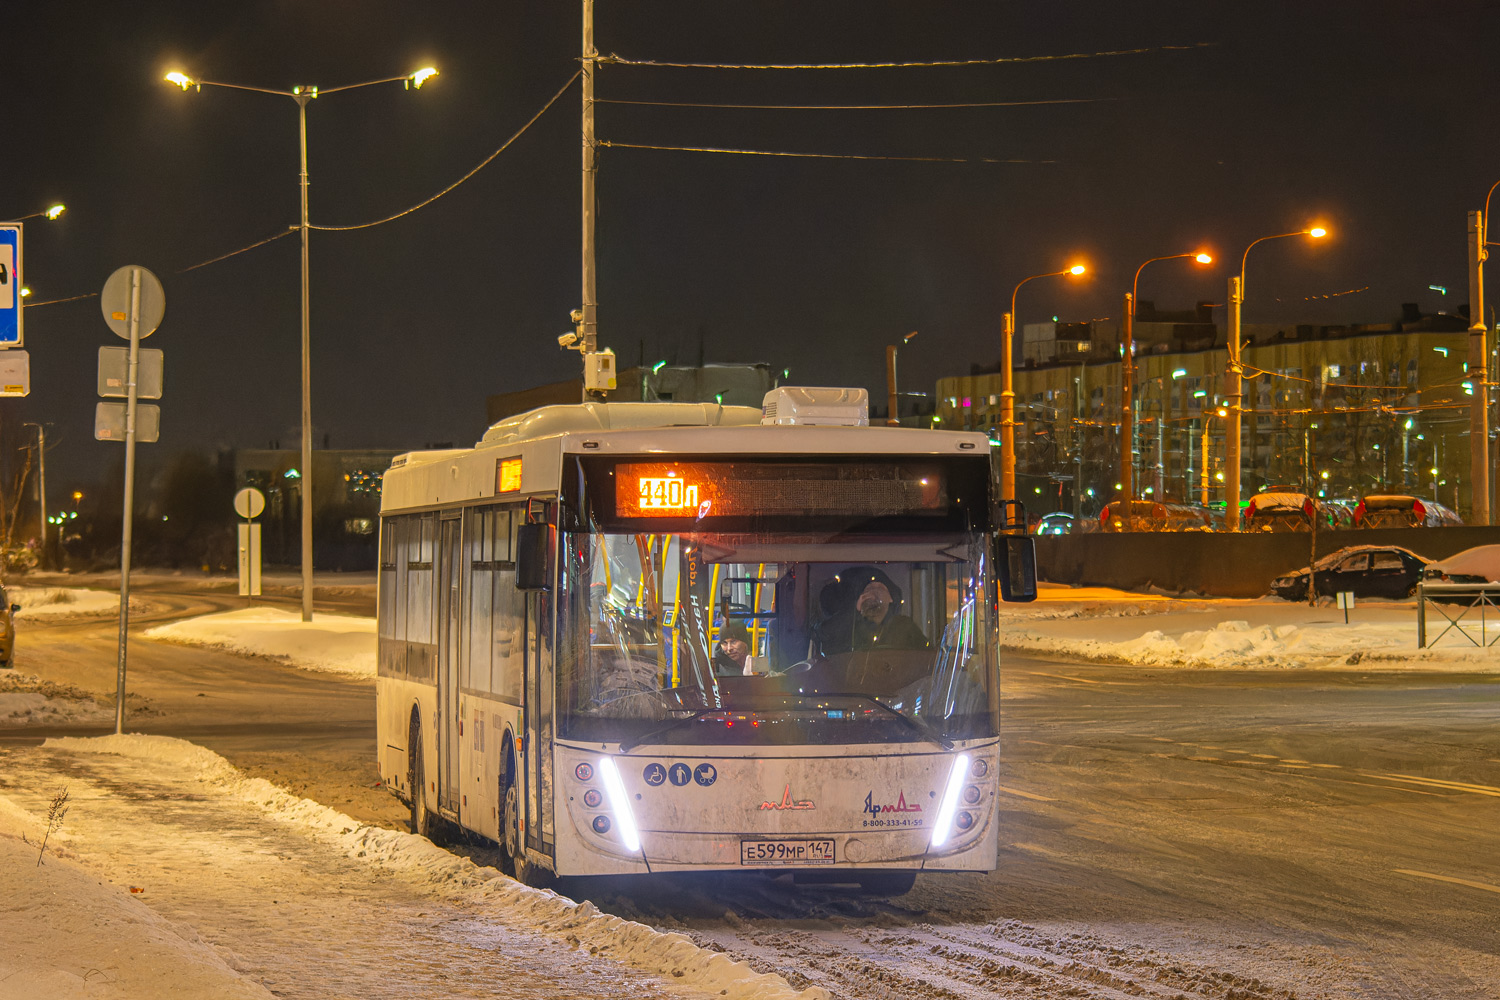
(248,503)
(133,305)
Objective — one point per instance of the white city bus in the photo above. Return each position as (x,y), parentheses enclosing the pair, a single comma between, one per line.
(552,608)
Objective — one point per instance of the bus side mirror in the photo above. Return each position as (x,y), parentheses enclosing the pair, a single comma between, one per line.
(1017,559)
(533,556)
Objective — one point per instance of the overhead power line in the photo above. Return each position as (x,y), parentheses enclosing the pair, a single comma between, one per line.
(292,229)
(618,60)
(482,164)
(232,253)
(821,156)
(855,107)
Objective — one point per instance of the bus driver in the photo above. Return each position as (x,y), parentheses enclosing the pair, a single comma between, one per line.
(873,622)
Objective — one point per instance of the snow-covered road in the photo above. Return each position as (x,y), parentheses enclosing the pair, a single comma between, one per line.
(303,901)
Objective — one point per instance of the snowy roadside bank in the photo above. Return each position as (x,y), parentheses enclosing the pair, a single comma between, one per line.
(388,858)
(337,644)
(1236,643)
(69,934)
(68,602)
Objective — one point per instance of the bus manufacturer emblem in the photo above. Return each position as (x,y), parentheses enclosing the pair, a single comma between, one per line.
(787,802)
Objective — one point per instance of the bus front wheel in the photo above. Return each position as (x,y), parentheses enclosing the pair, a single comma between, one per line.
(526,872)
(422,820)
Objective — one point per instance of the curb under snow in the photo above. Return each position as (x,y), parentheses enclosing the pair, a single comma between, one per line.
(672,955)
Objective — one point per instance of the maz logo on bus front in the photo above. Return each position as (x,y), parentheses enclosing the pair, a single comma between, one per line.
(667,493)
(902,806)
(787,802)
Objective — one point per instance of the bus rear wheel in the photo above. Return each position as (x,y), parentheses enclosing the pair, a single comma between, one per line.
(525,871)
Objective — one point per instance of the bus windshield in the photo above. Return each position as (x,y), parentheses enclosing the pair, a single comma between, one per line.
(767,639)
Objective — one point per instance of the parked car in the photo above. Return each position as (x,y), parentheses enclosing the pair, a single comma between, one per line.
(1056,523)
(1401,511)
(1152,515)
(1367,570)
(1481,564)
(1278,511)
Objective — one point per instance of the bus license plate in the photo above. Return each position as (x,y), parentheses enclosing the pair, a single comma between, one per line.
(786,852)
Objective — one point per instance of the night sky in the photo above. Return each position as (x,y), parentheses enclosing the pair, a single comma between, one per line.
(1375,119)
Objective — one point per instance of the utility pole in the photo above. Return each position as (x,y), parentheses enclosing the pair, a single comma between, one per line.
(1479,410)
(1232,390)
(41,495)
(1127,411)
(589,322)
(1007,407)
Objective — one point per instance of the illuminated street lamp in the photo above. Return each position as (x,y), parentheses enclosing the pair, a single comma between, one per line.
(51,214)
(302,95)
(1007,388)
(1127,380)
(1232,381)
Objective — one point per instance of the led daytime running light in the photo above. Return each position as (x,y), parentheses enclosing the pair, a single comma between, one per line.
(619,804)
(944,824)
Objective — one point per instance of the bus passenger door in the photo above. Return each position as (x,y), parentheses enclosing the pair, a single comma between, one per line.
(539,721)
(449,604)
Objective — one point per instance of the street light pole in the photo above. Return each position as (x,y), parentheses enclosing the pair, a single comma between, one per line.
(891,350)
(302,95)
(1007,387)
(1234,381)
(1127,383)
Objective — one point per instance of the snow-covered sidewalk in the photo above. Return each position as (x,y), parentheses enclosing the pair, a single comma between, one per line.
(339,644)
(182,877)
(1268,633)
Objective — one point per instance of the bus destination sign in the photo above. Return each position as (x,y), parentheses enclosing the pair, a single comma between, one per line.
(736,489)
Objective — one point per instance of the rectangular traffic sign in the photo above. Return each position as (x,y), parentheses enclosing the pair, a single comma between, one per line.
(10,286)
(114,370)
(109,422)
(15,373)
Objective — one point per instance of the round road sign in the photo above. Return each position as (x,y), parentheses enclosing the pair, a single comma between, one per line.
(249,502)
(114,302)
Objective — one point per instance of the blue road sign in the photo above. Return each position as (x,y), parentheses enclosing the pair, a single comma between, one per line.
(10,285)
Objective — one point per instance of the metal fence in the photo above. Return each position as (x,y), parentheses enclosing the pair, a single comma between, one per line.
(1456,603)
(1220,564)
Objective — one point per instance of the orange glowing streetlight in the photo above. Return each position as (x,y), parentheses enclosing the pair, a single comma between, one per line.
(1127,379)
(1232,380)
(1007,385)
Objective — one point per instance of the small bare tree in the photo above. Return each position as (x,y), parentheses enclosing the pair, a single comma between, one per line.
(55,814)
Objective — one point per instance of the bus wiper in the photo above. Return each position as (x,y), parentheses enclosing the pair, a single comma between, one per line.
(628,745)
(926,733)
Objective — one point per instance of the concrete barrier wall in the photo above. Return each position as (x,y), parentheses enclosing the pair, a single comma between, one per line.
(1221,564)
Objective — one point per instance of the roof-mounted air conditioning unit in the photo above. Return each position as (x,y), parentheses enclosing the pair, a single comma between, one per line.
(815,407)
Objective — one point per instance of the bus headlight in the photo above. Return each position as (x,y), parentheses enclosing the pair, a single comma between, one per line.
(942,827)
(619,804)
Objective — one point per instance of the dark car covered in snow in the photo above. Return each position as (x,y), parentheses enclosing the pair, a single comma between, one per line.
(1366,570)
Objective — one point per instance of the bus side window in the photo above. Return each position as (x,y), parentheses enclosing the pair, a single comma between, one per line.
(510,614)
